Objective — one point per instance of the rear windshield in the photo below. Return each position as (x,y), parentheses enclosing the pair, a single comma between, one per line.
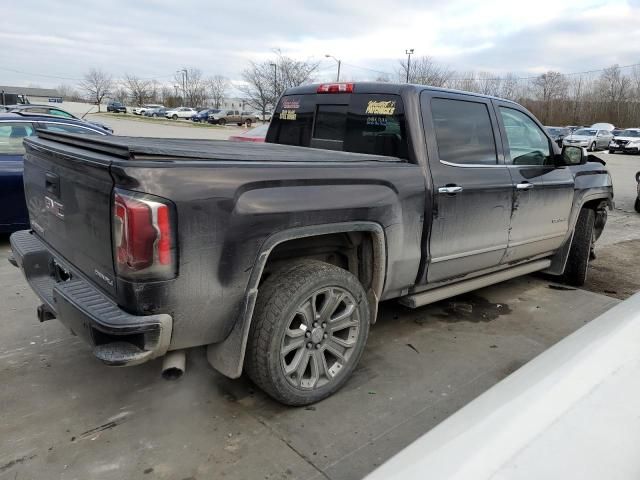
(360,123)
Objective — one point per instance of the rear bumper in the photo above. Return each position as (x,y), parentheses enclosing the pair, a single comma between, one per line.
(116,337)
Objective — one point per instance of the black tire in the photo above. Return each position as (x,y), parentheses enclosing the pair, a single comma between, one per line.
(154,115)
(636,205)
(575,272)
(248,122)
(174,116)
(592,147)
(222,122)
(279,314)
(612,151)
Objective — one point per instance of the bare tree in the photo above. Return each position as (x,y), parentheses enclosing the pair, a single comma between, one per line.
(68,92)
(193,86)
(509,87)
(425,71)
(140,91)
(97,84)
(266,81)
(218,86)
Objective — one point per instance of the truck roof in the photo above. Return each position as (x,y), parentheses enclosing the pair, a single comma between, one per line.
(169,149)
(383,87)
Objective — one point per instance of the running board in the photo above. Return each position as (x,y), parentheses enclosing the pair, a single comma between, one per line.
(430,296)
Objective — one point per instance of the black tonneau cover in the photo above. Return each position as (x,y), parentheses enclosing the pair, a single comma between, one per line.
(168,149)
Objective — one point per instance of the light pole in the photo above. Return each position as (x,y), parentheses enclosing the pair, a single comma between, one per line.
(185,80)
(339,63)
(409,52)
(275,82)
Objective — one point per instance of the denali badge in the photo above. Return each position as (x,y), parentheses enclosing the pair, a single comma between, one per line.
(54,207)
(103,277)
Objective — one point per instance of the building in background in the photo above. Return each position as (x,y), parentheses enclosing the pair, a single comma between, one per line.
(14,95)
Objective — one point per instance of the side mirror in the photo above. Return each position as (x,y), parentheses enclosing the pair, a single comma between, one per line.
(572,155)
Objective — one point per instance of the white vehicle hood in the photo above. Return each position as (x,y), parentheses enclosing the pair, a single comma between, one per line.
(579,137)
(572,412)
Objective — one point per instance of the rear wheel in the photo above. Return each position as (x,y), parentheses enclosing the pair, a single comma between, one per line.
(308,332)
(575,272)
(592,148)
(636,205)
(248,122)
(612,151)
(155,115)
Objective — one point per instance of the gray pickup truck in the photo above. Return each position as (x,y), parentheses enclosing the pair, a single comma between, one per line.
(276,255)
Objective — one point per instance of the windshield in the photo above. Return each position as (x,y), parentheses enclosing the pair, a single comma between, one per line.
(630,133)
(557,131)
(586,132)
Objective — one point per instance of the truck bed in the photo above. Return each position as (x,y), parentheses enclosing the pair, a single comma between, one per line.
(170,149)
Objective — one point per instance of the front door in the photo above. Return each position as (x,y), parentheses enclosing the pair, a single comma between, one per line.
(543,192)
(472,186)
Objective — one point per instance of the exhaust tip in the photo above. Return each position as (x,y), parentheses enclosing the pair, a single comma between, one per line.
(172,373)
(174,365)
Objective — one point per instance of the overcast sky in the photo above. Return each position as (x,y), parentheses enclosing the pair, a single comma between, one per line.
(58,41)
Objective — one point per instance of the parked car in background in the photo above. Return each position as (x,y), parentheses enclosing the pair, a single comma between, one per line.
(266,117)
(256,135)
(617,131)
(203,115)
(627,141)
(557,134)
(603,126)
(116,107)
(180,112)
(156,112)
(144,108)
(233,116)
(37,109)
(589,138)
(14,127)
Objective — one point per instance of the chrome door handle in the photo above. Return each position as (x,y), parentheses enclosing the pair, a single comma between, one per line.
(524,186)
(450,190)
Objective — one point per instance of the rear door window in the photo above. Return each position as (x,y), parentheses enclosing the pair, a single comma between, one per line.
(463,132)
(11,136)
(360,123)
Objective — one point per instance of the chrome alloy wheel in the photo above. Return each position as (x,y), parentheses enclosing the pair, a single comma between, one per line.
(320,338)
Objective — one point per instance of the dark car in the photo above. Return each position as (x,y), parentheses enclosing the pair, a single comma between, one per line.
(276,255)
(203,115)
(155,112)
(14,128)
(54,111)
(637,202)
(116,107)
(557,134)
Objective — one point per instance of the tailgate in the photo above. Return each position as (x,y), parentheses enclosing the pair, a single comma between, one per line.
(68,193)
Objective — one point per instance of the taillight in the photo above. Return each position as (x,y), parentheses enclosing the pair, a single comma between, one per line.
(143,236)
(335,88)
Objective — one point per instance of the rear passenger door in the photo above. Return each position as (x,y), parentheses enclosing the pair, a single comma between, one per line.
(472,186)
(543,192)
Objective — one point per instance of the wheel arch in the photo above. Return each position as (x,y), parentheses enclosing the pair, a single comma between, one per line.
(228,356)
(594,202)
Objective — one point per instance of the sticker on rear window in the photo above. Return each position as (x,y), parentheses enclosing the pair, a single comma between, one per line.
(288,115)
(290,104)
(381,107)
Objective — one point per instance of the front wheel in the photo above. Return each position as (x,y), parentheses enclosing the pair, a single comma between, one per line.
(248,123)
(155,115)
(222,122)
(175,117)
(636,205)
(308,332)
(575,272)
(592,148)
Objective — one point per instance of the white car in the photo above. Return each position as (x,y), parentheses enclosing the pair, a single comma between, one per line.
(144,108)
(180,112)
(590,138)
(627,141)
